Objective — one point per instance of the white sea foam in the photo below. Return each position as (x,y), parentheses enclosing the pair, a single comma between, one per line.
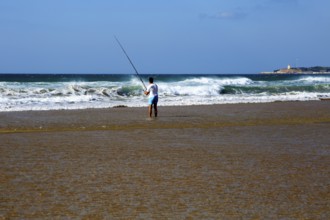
(189,90)
(202,86)
(314,79)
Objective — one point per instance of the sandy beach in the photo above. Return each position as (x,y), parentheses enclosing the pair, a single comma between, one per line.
(239,161)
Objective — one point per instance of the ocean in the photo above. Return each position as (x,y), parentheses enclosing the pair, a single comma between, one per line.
(29,92)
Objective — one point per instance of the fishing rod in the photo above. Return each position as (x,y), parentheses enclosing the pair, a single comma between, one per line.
(137,73)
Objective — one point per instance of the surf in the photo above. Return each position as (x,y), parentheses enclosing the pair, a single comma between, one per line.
(21,92)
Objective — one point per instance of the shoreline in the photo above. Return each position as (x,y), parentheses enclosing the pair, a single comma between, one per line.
(265,160)
(53,120)
(130,118)
(170,106)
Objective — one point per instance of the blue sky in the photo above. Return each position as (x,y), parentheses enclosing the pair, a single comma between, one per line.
(173,36)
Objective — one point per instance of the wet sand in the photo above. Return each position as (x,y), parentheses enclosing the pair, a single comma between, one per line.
(242,161)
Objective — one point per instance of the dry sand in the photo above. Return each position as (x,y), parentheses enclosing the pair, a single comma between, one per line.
(242,161)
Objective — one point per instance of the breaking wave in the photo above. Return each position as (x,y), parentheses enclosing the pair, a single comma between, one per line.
(48,92)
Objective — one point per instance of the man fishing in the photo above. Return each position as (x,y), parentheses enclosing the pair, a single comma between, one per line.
(152,92)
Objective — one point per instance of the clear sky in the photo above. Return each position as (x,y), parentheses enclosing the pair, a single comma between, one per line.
(172,36)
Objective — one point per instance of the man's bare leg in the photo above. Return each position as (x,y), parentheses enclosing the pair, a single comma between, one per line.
(150,111)
(156,110)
